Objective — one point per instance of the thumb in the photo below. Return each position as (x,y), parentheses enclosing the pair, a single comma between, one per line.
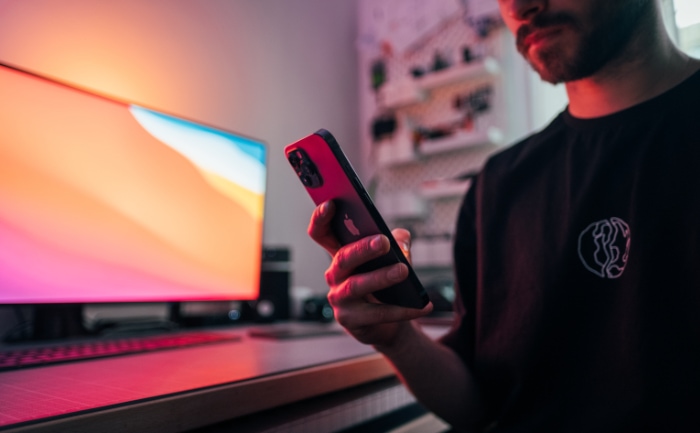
(403,238)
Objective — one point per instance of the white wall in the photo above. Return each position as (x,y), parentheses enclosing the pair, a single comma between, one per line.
(546,101)
(273,69)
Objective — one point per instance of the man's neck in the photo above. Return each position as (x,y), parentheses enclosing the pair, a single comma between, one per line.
(651,66)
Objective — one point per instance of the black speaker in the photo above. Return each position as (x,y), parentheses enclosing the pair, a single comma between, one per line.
(273,302)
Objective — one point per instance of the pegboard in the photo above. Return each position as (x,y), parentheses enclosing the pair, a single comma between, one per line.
(441,212)
(447,39)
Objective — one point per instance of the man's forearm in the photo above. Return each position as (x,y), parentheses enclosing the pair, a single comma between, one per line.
(437,376)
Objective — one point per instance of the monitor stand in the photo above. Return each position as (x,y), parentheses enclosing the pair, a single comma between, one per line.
(48,322)
(58,321)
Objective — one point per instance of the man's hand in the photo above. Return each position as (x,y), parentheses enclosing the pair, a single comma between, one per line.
(350,295)
(433,372)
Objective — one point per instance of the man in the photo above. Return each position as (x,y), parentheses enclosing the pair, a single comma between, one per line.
(577,251)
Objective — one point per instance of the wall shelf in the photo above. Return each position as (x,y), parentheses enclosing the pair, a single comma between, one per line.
(396,151)
(401,93)
(441,189)
(402,206)
(448,122)
(409,91)
(458,73)
(431,253)
(460,140)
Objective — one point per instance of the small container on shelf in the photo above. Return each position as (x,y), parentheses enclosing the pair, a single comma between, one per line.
(398,148)
(401,93)
(395,151)
(391,152)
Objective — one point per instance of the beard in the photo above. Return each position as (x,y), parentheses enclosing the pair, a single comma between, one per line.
(594,45)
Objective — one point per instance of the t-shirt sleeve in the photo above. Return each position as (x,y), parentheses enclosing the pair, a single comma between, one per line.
(461,336)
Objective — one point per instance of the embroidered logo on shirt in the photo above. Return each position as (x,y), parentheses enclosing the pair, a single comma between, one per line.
(604,247)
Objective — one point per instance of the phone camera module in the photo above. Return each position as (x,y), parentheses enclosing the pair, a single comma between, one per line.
(309,175)
(307,180)
(294,159)
(305,168)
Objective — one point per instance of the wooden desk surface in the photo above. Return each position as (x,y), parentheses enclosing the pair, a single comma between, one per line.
(182,389)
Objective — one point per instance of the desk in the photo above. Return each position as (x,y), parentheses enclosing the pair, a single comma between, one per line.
(184,389)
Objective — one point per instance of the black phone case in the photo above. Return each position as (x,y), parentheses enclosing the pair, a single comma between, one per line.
(327,174)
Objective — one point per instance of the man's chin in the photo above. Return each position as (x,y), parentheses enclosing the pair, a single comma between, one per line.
(547,72)
(550,78)
(554,62)
(554,66)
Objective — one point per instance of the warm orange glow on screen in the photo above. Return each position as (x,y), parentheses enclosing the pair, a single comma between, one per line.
(101,201)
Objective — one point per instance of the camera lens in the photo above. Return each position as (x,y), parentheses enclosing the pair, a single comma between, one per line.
(305,168)
(294,159)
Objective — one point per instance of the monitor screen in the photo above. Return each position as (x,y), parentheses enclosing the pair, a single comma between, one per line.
(107,201)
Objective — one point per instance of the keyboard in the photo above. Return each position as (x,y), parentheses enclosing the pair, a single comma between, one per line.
(78,351)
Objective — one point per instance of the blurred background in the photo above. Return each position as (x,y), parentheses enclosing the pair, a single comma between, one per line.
(278,70)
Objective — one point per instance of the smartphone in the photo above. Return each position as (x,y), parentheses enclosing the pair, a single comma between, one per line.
(326,173)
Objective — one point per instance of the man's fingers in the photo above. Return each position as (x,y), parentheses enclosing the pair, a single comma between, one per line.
(403,238)
(320,227)
(359,286)
(350,256)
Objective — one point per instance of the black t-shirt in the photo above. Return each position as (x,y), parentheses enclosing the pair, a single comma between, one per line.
(577,260)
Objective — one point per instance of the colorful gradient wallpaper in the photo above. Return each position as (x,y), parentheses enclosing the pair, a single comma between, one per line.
(102,201)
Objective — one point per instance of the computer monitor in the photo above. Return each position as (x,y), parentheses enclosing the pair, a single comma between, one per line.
(105,201)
